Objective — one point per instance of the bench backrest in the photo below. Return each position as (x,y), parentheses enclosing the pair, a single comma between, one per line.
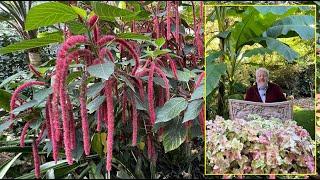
(241,109)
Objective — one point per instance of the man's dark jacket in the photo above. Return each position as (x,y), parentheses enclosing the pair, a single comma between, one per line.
(274,94)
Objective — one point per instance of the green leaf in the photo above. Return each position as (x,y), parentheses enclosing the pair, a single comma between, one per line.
(173,136)
(278,10)
(184,75)
(50,13)
(5,98)
(98,142)
(213,56)
(171,109)
(133,36)
(128,83)
(102,70)
(73,75)
(25,106)
(32,43)
(76,27)
(193,110)
(108,12)
(81,12)
(281,48)
(95,104)
(5,125)
(159,52)
(6,167)
(11,78)
(160,42)
(198,93)
(256,51)
(157,80)
(214,72)
(301,24)
(42,94)
(95,89)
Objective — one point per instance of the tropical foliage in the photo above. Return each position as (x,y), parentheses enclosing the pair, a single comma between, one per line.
(123,98)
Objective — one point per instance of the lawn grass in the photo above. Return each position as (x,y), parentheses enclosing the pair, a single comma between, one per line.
(306,119)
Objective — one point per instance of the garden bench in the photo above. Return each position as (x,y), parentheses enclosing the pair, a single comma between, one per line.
(241,109)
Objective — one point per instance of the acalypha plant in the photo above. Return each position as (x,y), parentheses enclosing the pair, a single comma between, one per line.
(143,86)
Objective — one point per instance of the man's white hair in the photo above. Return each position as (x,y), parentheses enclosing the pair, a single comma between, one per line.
(262,70)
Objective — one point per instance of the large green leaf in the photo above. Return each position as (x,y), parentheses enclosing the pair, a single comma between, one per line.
(300,24)
(32,43)
(102,70)
(171,109)
(278,10)
(7,166)
(50,13)
(42,94)
(281,48)
(256,51)
(193,110)
(108,12)
(11,78)
(5,125)
(76,27)
(213,56)
(173,136)
(213,74)
(5,100)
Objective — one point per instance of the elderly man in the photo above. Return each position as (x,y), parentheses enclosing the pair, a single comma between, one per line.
(264,91)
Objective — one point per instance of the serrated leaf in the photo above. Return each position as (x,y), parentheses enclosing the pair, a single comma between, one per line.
(198,93)
(102,70)
(32,43)
(76,27)
(50,13)
(171,109)
(173,136)
(193,110)
(108,12)
(25,106)
(81,12)
(95,89)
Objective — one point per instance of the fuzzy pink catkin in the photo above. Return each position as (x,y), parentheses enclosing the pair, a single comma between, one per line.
(156,26)
(23,133)
(152,113)
(132,52)
(172,66)
(166,81)
(110,111)
(48,116)
(65,125)
(15,94)
(99,118)
(141,89)
(134,122)
(34,71)
(177,22)
(92,20)
(105,51)
(201,76)
(105,39)
(71,124)
(201,120)
(36,159)
(84,118)
(168,20)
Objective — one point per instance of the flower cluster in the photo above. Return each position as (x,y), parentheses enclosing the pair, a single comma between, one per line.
(258,146)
